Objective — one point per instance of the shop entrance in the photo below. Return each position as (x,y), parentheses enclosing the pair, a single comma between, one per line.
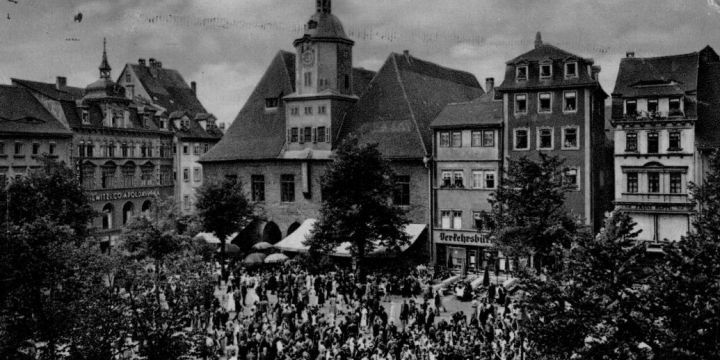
(457,259)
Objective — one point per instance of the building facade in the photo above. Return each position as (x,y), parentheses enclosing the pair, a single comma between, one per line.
(308,101)
(467,166)
(664,116)
(195,130)
(28,132)
(553,103)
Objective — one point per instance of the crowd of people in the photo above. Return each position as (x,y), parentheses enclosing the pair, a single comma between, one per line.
(286,313)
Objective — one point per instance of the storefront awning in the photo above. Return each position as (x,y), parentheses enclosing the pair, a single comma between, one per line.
(294,242)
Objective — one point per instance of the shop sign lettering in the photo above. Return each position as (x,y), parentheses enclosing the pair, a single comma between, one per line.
(125,195)
(459,238)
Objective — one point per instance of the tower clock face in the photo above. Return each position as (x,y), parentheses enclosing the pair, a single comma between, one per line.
(308,58)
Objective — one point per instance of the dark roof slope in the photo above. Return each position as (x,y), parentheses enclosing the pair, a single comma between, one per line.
(707,128)
(21,112)
(483,111)
(665,75)
(405,96)
(542,52)
(66,93)
(168,89)
(258,134)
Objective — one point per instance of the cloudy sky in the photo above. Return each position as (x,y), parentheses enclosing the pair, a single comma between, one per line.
(225,45)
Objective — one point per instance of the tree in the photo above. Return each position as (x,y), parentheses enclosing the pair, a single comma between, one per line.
(224,209)
(598,306)
(528,214)
(357,206)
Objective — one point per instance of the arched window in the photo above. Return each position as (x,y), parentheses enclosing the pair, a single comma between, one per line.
(128,212)
(107,217)
(146,206)
(128,174)
(87,175)
(108,175)
(147,178)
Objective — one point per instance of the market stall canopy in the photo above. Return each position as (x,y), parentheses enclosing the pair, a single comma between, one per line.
(254,259)
(295,241)
(276,258)
(262,246)
(212,239)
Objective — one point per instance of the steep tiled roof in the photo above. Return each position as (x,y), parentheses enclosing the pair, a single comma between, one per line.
(168,89)
(405,96)
(707,129)
(260,134)
(66,93)
(543,52)
(21,112)
(665,75)
(483,111)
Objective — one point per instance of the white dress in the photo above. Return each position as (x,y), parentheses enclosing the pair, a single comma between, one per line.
(230,305)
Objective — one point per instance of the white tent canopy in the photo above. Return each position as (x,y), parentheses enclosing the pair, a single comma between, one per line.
(212,239)
(294,242)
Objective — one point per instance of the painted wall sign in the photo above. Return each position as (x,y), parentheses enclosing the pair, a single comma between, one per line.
(125,195)
(461,238)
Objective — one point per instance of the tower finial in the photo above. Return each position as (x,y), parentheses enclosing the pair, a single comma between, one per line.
(538,40)
(105,68)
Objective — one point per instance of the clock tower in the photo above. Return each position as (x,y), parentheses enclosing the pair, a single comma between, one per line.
(323,85)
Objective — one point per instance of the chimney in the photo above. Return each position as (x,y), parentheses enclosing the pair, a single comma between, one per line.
(141,61)
(630,54)
(406,53)
(60,82)
(596,71)
(152,61)
(489,84)
(538,40)
(193,86)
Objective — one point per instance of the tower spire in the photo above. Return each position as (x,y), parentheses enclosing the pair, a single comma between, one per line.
(538,40)
(105,68)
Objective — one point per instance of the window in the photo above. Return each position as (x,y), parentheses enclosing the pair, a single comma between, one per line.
(570,101)
(186,149)
(271,103)
(522,73)
(446,179)
(111,150)
(674,107)
(458,179)
(520,103)
(444,139)
(632,182)
(457,220)
(445,219)
(124,150)
(652,106)
(186,174)
(571,70)
(322,109)
(631,107)
(488,139)
(654,182)
(675,183)
(478,219)
(163,123)
(257,184)
(489,180)
(18,148)
(402,190)
(521,139)
(107,217)
(631,142)
(308,134)
(308,79)
(570,138)
(294,135)
(347,82)
(89,149)
(545,71)
(321,134)
(674,140)
(653,143)
(2,148)
(544,102)
(35,148)
(476,138)
(323,82)
(456,139)
(287,188)
(117,118)
(85,117)
(294,110)
(206,148)
(197,174)
(51,149)
(308,110)
(545,139)
(570,178)
(186,202)
(477,177)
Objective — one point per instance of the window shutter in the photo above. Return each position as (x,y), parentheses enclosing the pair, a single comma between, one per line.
(314,135)
(289,135)
(327,135)
(301,136)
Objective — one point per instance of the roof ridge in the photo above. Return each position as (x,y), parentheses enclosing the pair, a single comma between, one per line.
(694,53)
(437,65)
(407,101)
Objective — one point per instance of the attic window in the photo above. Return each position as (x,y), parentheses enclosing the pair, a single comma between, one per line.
(545,71)
(571,70)
(85,117)
(272,103)
(522,73)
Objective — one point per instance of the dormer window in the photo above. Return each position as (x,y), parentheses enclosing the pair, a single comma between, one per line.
(652,106)
(85,117)
(271,103)
(674,107)
(146,120)
(545,71)
(521,73)
(117,117)
(163,123)
(571,70)
(631,107)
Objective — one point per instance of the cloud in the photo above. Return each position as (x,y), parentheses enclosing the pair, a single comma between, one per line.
(222,87)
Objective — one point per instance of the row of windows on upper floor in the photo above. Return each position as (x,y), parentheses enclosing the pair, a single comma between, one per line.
(308,110)
(546,71)
(654,182)
(112,176)
(545,138)
(478,138)
(196,174)
(545,102)
(401,194)
(481,179)
(198,148)
(653,107)
(37,148)
(653,141)
(123,150)
(117,119)
(308,134)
